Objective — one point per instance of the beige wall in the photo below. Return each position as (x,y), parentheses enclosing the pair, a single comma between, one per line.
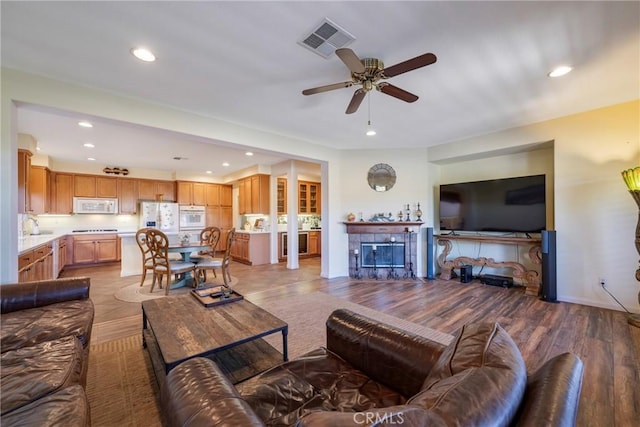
(594,216)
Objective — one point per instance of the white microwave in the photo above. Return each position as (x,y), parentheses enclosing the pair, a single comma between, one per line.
(192,217)
(85,205)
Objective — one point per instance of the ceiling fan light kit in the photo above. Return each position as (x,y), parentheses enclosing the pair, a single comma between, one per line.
(369,72)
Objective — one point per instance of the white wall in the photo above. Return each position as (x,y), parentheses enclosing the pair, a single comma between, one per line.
(412,186)
(594,216)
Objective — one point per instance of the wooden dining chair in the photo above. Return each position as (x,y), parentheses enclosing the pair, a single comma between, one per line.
(221,263)
(147,256)
(163,265)
(208,236)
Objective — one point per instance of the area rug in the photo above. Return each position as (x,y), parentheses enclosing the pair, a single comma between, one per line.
(306,315)
(121,385)
(137,293)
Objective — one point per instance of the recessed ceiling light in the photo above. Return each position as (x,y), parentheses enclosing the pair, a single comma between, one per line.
(88,145)
(371,132)
(248,153)
(85,124)
(38,148)
(560,71)
(90,158)
(143,54)
(225,164)
(209,171)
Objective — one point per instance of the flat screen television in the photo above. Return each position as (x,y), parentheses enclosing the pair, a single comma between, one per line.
(499,205)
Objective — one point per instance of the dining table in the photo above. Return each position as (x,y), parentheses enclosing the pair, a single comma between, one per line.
(185,250)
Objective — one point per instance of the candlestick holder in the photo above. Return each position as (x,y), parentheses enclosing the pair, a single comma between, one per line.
(356,273)
(410,273)
(408,212)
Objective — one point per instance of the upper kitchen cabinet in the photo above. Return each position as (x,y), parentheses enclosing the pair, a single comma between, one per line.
(40,189)
(308,198)
(226,198)
(61,193)
(95,186)
(24,169)
(191,193)
(253,192)
(282,196)
(127,196)
(212,194)
(149,189)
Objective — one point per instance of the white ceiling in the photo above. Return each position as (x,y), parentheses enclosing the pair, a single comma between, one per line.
(240,62)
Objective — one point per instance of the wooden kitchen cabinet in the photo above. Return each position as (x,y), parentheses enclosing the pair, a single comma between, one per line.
(253,192)
(127,196)
(95,248)
(212,195)
(62,255)
(308,198)
(282,196)
(95,186)
(149,189)
(191,193)
(314,243)
(40,189)
(251,248)
(226,198)
(24,169)
(61,193)
(36,264)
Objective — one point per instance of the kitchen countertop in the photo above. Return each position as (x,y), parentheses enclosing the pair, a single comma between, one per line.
(30,242)
(253,231)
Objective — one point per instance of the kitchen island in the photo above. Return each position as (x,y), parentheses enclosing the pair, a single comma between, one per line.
(251,247)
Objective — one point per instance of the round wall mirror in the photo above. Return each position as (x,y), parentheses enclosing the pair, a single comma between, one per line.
(381,177)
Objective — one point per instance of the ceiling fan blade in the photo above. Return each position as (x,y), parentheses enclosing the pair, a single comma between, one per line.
(326,88)
(410,64)
(396,92)
(350,59)
(356,100)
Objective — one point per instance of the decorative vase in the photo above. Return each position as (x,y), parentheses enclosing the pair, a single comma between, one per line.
(351,217)
(419,213)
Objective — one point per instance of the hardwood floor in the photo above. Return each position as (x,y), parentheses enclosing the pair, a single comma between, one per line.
(608,346)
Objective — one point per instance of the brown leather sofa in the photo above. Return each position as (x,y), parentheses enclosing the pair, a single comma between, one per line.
(45,331)
(373,374)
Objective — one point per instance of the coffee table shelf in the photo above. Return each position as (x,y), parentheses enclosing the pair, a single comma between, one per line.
(178,328)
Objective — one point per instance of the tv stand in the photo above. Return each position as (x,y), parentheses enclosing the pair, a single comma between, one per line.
(531,278)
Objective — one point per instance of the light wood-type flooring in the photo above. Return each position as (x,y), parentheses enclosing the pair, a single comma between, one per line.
(608,346)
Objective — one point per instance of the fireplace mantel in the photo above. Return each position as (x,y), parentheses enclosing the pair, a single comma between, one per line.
(379,227)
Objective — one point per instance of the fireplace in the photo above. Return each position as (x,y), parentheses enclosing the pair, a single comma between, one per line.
(396,244)
(386,255)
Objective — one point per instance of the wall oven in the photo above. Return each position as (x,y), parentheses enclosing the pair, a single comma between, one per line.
(303,244)
(192,218)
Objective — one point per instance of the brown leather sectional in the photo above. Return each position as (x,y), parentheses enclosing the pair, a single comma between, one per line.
(374,374)
(45,332)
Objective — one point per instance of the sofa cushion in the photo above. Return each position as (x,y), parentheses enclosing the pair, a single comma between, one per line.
(68,407)
(483,368)
(319,380)
(30,373)
(28,327)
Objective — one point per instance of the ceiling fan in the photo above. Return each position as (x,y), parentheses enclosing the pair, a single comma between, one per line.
(369,72)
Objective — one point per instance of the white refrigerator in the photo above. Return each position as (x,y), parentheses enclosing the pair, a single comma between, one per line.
(161,215)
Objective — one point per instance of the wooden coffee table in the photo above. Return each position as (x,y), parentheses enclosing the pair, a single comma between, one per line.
(177,328)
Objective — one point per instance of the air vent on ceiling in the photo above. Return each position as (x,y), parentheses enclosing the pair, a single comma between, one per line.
(326,38)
